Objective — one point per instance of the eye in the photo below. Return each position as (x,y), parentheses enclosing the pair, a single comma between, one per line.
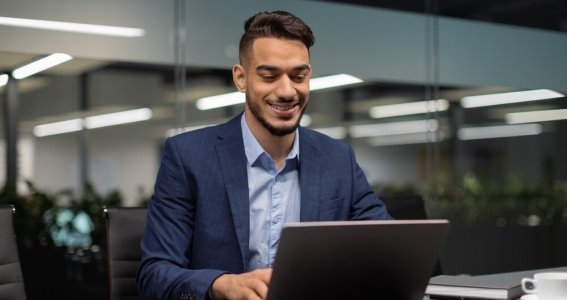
(298,78)
(268,76)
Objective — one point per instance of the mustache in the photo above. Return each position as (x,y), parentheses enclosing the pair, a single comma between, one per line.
(286,100)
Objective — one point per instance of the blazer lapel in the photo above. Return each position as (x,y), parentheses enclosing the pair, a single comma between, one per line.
(232,160)
(309,177)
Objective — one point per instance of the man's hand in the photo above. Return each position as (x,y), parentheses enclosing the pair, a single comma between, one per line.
(251,285)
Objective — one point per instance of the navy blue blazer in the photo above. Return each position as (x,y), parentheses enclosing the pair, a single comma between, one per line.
(198,218)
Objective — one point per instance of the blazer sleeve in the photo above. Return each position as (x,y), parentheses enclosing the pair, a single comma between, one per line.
(167,242)
(365,204)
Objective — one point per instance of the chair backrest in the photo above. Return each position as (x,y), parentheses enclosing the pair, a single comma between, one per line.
(124,229)
(11,279)
(406,207)
(409,208)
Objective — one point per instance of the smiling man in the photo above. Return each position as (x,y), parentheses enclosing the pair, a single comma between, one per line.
(223,193)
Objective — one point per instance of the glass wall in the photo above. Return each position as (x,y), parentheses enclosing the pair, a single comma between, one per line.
(415,120)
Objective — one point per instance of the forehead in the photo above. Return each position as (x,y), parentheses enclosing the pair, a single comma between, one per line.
(278,52)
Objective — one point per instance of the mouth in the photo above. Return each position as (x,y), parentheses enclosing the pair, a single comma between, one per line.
(283,107)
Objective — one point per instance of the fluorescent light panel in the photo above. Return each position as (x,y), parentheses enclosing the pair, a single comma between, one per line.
(402,139)
(235,98)
(73,27)
(117,118)
(98,121)
(331,81)
(221,100)
(536,116)
(491,132)
(404,109)
(41,65)
(58,127)
(4,79)
(394,128)
(507,98)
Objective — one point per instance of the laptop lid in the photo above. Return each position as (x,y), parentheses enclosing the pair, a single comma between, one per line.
(390,260)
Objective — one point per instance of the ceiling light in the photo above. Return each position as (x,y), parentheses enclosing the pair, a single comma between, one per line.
(382,129)
(404,109)
(507,98)
(58,127)
(490,132)
(73,27)
(97,121)
(536,116)
(118,118)
(331,81)
(235,98)
(4,79)
(221,100)
(338,132)
(403,139)
(40,65)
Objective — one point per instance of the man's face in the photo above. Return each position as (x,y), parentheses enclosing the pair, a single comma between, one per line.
(275,76)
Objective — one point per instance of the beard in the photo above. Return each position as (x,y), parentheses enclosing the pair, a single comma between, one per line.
(274,130)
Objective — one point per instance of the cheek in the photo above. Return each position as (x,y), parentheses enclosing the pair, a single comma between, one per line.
(304,90)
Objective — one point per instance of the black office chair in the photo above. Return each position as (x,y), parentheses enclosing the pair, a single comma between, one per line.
(11,279)
(124,229)
(409,208)
(405,207)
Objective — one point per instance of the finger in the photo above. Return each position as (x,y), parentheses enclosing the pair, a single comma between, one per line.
(260,288)
(264,275)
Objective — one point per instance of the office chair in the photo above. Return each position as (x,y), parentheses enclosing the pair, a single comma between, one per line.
(409,208)
(405,207)
(11,279)
(124,229)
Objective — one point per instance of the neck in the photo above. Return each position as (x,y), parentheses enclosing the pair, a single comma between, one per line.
(278,147)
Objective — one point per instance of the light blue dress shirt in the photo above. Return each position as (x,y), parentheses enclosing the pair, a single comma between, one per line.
(274,197)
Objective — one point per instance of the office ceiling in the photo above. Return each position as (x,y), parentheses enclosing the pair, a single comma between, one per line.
(541,14)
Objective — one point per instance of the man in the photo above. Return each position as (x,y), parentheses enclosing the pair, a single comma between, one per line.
(223,193)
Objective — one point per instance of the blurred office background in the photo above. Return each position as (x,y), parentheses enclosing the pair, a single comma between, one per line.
(498,172)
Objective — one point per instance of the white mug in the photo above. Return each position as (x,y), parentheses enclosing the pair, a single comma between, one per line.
(547,286)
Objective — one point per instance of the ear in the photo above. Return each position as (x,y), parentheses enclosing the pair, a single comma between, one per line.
(239,77)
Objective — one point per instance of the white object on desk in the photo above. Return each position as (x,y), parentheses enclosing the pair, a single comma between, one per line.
(529,297)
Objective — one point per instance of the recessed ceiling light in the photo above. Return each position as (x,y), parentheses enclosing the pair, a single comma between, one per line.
(412,108)
(40,65)
(507,98)
(73,27)
(4,79)
(536,116)
(111,119)
(500,131)
(382,129)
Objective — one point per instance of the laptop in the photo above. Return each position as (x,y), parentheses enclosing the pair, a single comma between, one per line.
(391,260)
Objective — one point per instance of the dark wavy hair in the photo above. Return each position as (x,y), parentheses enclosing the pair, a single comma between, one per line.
(278,24)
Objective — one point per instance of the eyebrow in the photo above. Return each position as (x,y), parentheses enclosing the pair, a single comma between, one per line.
(271,68)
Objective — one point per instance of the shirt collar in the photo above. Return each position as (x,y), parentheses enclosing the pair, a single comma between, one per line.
(253,149)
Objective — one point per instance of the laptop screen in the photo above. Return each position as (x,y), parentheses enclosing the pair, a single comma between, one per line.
(356,259)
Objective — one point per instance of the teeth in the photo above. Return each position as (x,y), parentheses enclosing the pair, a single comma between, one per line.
(280,107)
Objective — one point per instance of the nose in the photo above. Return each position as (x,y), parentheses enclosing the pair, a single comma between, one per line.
(286,88)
